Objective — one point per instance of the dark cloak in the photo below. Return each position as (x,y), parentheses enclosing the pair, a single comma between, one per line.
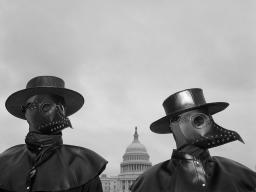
(185,173)
(68,168)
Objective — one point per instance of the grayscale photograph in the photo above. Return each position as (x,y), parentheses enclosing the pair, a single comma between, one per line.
(127,96)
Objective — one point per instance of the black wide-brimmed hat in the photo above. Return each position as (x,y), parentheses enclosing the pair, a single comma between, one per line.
(44,85)
(183,101)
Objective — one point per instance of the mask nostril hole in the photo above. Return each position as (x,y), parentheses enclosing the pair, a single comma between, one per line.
(198,121)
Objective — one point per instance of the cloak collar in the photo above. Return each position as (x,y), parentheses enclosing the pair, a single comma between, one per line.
(178,155)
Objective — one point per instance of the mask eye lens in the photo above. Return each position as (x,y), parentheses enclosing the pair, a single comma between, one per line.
(46,107)
(199,120)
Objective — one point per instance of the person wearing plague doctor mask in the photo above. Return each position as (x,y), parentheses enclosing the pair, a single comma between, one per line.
(191,167)
(44,163)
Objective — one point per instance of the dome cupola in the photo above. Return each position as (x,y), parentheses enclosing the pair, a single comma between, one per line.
(136,146)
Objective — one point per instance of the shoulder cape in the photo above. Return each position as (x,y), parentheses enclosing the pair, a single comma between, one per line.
(69,167)
(162,177)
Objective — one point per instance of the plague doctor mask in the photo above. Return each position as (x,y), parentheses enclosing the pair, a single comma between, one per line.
(189,118)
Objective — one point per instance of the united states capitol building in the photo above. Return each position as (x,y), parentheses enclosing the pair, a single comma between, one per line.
(135,162)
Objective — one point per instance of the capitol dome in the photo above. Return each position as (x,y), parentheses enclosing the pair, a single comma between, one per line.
(136,146)
(135,162)
(135,158)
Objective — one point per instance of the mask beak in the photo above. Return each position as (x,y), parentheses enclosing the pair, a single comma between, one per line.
(240,139)
(218,136)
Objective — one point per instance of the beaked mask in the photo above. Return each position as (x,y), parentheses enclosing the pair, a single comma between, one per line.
(46,114)
(198,128)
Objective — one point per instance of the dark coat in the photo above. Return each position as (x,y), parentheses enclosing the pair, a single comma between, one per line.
(70,168)
(185,173)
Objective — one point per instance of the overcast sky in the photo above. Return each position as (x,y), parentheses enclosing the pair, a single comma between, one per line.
(125,58)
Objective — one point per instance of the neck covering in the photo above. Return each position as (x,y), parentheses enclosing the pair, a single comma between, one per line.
(44,147)
(192,150)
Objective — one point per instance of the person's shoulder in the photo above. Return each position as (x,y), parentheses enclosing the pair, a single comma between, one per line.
(233,167)
(228,162)
(77,149)
(81,152)
(83,155)
(150,177)
(162,166)
(15,150)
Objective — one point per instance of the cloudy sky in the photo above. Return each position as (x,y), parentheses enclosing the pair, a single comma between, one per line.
(125,58)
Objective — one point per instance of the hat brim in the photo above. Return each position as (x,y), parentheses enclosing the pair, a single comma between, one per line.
(162,126)
(73,100)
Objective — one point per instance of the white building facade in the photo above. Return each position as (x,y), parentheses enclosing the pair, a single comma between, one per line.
(110,184)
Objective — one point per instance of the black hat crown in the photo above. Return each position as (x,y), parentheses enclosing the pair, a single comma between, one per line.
(184,100)
(181,102)
(46,81)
